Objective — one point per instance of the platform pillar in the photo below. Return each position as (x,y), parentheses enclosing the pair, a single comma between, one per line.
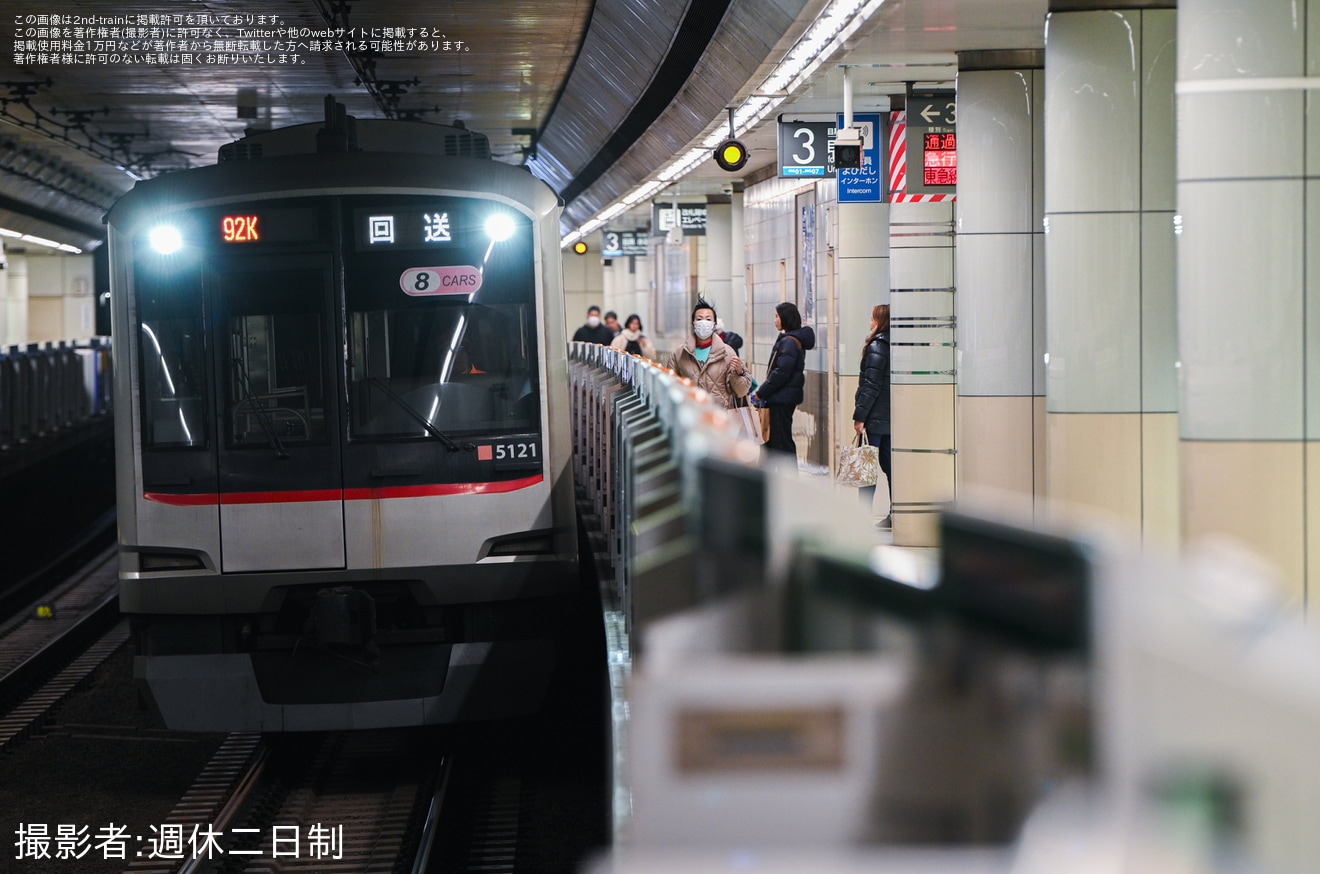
(1000,261)
(15,300)
(922,385)
(720,256)
(1249,280)
(1111,335)
(861,258)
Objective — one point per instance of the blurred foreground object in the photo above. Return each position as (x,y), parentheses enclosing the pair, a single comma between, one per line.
(1033,700)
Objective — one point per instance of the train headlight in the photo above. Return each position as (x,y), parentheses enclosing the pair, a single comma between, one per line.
(165,239)
(499,227)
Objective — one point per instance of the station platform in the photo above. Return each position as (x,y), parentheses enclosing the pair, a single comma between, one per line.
(57,464)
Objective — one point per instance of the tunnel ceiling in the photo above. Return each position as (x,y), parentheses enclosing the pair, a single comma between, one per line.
(593,94)
(87,131)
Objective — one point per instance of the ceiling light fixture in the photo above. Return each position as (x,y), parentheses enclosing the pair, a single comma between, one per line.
(39,241)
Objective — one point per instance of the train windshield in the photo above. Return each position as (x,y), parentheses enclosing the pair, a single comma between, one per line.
(456,367)
(442,325)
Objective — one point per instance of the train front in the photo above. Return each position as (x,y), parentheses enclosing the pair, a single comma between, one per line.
(344,485)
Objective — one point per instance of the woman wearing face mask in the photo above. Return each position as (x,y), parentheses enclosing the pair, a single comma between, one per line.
(784,381)
(632,340)
(706,360)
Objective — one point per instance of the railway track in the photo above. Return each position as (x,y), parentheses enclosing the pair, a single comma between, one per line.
(52,646)
(89,543)
(366,801)
(370,801)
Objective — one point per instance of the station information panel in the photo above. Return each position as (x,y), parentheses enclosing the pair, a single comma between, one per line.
(932,143)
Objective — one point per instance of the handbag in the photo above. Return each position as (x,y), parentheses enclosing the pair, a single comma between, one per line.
(859,464)
(750,421)
(748,418)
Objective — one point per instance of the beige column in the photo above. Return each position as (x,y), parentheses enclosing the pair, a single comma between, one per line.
(16,302)
(1000,245)
(1111,335)
(1249,279)
(922,382)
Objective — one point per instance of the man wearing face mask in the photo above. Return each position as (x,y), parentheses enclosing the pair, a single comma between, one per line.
(593,331)
(708,361)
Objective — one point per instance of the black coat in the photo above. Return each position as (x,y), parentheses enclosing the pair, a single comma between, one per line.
(599,334)
(783,384)
(872,403)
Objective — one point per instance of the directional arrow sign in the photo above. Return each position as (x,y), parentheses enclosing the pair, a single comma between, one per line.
(932,142)
(935,111)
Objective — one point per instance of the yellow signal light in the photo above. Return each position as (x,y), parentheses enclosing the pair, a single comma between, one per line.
(731,155)
(580,247)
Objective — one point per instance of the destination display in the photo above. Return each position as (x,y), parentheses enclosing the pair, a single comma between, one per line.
(257,225)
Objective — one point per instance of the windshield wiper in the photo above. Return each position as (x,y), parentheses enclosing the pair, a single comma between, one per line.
(262,418)
(421,420)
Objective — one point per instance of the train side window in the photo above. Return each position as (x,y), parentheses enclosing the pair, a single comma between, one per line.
(172,356)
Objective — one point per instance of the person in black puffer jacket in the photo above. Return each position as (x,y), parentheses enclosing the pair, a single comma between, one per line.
(871,409)
(782,389)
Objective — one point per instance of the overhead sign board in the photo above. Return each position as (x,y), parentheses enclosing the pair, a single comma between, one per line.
(806,149)
(932,143)
(692,219)
(865,185)
(933,111)
(620,244)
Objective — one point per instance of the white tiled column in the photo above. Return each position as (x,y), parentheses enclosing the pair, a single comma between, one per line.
(1000,263)
(862,261)
(719,255)
(922,389)
(1111,396)
(584,283)
(1249,279)
(736,319)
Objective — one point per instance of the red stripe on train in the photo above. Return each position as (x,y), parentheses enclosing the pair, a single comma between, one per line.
(428,491)
(291,497)
(299,496)
(182,500)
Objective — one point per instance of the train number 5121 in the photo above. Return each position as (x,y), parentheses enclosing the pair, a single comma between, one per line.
(516,454)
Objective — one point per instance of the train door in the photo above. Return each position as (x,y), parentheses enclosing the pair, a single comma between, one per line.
(280,482)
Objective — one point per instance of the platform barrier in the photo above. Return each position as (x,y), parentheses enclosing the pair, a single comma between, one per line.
(690,508)
(50,389)
(640,435)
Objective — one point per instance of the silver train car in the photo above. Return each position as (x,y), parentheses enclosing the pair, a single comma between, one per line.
(343,444)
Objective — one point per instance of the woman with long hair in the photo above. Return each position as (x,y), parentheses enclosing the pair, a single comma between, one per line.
(632,340)
(782,390)
(871,405)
